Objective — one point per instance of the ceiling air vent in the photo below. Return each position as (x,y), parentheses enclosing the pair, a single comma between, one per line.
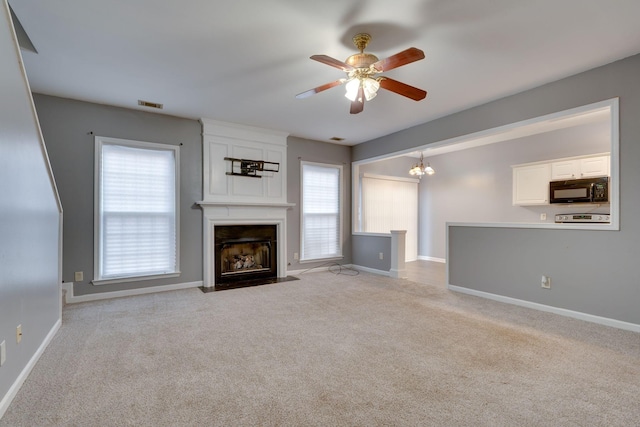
(149,104)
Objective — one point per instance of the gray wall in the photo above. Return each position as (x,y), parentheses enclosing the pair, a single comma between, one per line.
(369,253)
(299,149)
(29,222)
(570,257)
(397,166)
(589,272)
(69,127)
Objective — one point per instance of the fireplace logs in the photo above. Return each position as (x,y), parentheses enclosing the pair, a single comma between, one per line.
(244,253)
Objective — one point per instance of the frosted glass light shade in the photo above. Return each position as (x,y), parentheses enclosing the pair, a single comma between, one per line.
(352,89)
(369,87)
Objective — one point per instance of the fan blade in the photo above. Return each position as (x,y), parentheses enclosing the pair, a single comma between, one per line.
(405,57)
(402,89)
(333,62)
(358,105)
(319,89)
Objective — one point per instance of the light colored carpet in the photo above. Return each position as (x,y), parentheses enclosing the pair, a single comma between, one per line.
(329,350)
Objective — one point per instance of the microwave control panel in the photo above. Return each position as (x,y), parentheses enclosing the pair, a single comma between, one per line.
(588,218)
(600,192)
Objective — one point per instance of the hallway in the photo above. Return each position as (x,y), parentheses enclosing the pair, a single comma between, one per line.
(427,272)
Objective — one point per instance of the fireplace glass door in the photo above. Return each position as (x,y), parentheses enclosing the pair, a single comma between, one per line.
(244,253)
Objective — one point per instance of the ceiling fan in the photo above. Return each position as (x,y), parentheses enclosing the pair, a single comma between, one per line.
(361,68)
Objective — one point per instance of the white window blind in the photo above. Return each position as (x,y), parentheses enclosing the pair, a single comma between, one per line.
(390,203)
(136,209)
(321,211)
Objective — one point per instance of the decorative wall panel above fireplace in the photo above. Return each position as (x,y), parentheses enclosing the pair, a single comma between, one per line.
(228,140)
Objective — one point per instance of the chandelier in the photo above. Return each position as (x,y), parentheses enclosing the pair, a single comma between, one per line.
(419,169)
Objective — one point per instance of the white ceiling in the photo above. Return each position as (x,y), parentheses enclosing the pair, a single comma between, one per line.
(243,61)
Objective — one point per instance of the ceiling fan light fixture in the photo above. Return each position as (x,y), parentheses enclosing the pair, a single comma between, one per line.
(361,85)
(370,87)
(352,89)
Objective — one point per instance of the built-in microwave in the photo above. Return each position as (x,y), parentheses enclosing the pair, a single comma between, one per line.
(586,190)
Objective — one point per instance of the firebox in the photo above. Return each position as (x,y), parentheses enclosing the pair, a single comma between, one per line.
(244,254)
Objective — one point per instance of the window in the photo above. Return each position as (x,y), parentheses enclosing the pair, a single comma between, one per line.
(391,203)
(136,210)
(321,211)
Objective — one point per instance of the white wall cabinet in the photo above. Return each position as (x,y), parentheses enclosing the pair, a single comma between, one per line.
(580,168)
(594,166)
(531,184)
(567,169)
(531,180)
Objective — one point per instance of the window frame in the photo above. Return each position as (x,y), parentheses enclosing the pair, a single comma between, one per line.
(339,254)
(100,141)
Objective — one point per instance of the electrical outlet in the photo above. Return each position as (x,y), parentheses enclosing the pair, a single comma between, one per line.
(545,282)
(381,255)
(79,276)
(19,334)
(3,352)
(296,256)
(543,217)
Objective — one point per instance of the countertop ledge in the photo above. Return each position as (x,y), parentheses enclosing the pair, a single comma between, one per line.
(543,225)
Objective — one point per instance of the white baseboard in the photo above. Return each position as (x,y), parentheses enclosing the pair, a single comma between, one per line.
(70,298)
(67,292)
(430,258)
(298,272)
(11,394)
(561,311)
(371,270)
(333,267)
(317,269)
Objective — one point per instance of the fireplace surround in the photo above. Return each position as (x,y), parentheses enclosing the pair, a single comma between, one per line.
(221,216)
(236,201)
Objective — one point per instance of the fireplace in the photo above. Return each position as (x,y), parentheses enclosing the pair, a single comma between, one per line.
(244,254)
(244,217)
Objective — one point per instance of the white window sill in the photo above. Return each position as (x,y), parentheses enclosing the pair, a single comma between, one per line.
(99,282)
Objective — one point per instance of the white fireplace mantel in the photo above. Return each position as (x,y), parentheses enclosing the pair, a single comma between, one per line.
(218,214)
(235,205)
